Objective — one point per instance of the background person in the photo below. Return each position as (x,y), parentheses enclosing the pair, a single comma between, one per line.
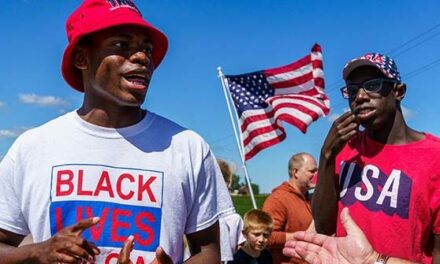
(289,205)
(257,228)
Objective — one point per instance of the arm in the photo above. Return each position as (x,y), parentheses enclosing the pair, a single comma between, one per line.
(326,195)
(436,250)
(205,245)
(65,246)
(354,248)
(9,250)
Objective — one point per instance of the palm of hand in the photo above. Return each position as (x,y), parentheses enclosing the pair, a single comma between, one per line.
(351,249)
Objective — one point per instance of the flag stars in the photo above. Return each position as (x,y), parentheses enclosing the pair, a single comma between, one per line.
(250,91)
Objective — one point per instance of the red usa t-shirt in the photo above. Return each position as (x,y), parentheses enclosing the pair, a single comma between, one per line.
(393,192)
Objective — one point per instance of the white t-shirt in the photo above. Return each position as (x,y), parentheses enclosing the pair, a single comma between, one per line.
(231,235)
(154,180)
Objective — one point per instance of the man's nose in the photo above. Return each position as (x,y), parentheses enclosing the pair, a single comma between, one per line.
(141,57)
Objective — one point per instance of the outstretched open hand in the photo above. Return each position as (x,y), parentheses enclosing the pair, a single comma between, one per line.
(317,248)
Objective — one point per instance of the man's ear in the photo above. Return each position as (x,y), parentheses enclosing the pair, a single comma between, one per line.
(400,91)
(294,171)
(80,58)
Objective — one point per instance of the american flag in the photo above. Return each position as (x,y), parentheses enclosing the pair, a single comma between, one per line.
(293,93)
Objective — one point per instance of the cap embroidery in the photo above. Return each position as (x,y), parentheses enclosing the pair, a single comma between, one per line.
(123,3)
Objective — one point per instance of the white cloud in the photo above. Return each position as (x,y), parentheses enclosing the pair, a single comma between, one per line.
(2,104)
(42,100)
(12,133)
(407,113)
(331,118)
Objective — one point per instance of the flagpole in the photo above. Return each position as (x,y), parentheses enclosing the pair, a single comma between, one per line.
(238,137)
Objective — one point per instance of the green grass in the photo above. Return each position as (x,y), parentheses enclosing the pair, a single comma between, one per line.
(243,203)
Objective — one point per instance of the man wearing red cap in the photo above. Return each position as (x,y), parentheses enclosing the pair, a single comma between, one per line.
(111,182)
(387,174)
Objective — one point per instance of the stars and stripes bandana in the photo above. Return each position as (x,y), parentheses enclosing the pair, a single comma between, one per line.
(384,63)
(293,93)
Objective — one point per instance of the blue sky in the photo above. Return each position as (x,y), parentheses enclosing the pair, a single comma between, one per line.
(240,36)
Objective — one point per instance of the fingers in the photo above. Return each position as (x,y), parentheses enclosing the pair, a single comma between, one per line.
(79,253)
(342,130)
(86,246)
(289,249)
(350,226)
(310,237)
(124,254)
(304,250)
(162,257)
(82,225)
(308,255)
(346,118)
(65,258)
(347,125)
(92,248)
(72,244)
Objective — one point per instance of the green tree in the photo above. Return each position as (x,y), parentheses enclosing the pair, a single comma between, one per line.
(235,185)
(255,188)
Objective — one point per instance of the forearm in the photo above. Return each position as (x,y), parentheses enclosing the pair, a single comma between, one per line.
(209,254)
(325,197)
(277,239)
(16,255)
(205,245)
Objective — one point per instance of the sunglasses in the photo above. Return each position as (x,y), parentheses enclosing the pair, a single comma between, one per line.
(373,86)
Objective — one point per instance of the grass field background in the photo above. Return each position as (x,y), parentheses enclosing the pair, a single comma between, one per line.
(243,203)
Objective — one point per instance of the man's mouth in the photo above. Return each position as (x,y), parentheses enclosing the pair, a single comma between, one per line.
(364,113)
(136,80)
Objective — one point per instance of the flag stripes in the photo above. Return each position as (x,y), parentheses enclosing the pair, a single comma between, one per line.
(264,99)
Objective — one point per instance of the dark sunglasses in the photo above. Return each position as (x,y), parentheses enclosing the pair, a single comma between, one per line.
(371,86)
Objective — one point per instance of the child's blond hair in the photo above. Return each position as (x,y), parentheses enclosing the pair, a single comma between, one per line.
(256,219)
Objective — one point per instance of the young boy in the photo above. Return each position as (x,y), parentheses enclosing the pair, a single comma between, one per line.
(257,229)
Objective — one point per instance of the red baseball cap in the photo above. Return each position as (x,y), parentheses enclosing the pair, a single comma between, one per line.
(95,15)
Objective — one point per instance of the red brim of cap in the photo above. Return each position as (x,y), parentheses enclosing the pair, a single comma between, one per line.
(356,64)
(72,75)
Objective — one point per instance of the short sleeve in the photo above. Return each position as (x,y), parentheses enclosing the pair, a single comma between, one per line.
(238,231)
(11,217)
(231,235)
(212,198)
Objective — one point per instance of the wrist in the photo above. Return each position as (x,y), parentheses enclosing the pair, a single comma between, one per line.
(327,155)
(33,253)
(381,259)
